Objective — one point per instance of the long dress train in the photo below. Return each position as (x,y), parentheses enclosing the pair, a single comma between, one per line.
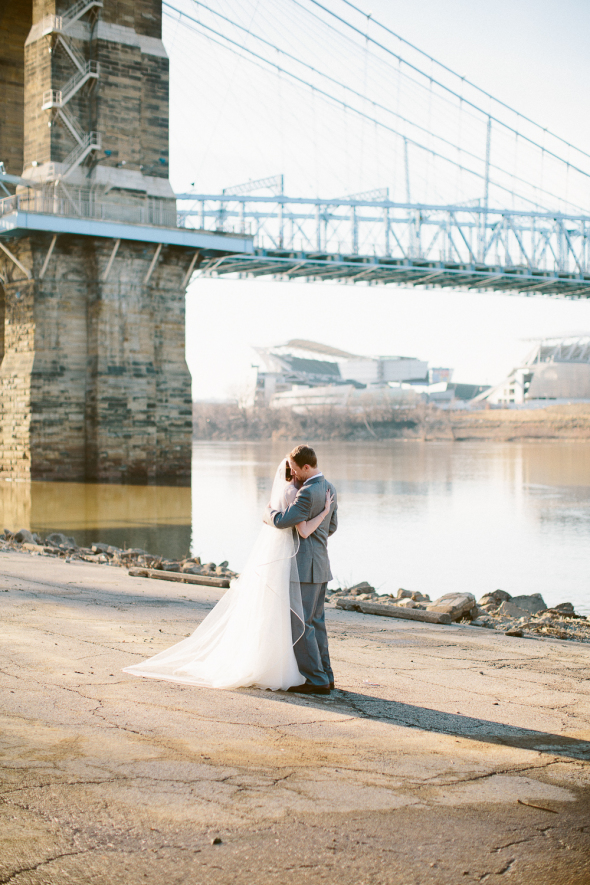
(247,639)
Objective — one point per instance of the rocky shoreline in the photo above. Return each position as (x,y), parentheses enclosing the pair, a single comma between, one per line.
(65,547)
(512,615)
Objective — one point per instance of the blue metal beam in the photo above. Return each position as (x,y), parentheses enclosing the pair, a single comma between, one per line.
(20,223)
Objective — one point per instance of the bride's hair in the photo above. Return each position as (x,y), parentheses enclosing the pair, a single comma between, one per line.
(303,455)
(288,473)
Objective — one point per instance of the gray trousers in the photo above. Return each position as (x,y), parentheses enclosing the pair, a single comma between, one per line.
(311,650)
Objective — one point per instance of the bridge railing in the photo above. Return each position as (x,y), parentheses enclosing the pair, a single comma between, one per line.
(467,234)
(81,203)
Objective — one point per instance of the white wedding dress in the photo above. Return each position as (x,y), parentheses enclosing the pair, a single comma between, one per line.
(247,639)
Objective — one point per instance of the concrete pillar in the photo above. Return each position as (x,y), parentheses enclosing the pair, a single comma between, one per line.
(15,24)
(93,379)
(93,382)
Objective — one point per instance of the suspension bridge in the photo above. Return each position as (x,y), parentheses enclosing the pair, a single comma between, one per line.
(482,197)
(394,170)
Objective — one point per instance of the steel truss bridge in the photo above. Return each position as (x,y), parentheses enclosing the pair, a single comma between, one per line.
(370,239)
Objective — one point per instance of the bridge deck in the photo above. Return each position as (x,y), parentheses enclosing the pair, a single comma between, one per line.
(402,272)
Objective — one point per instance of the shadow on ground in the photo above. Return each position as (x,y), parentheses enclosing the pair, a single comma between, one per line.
(409,716)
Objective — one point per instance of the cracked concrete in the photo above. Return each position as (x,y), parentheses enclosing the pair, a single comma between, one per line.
(447,754)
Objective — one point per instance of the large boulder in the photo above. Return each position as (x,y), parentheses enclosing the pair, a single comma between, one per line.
(57,539)
(24,536)
(532,604)
(510,610)
(456,605)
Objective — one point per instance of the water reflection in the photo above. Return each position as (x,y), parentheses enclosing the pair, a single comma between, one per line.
(433,517)
(155,519)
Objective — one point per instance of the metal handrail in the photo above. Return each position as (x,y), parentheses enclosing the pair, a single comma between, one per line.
(78,10)
(57,98)
(91,142)
(80,203)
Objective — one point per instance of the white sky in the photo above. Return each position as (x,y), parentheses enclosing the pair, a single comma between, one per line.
(227,128)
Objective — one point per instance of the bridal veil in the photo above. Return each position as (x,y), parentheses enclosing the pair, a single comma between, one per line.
(247,639)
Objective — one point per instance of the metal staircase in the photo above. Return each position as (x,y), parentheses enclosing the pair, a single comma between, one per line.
(92,142)
(55,100)
(58,24)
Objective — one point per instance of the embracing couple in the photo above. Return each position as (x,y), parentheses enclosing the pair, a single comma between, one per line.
(268,630)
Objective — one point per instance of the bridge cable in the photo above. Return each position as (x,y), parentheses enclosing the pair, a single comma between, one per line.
(367,116)
(442,85)
(469,82)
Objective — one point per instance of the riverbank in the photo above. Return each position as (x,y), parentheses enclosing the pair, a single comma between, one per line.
(227,421)
(496,611)
(447,753)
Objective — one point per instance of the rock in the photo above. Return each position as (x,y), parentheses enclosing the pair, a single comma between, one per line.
(223,564)
(420,597)
(494,599)
(482,622)
(33,548)
(403,594)
(456,605)
(24,536)
(564,610)
(406,603)
(509,610)
(363,587)
(60,540)
(563,607)
(489,600)
(513,633)
(532,604)
(135,551)
(99,547)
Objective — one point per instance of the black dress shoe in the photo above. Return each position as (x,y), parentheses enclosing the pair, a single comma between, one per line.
(310,688)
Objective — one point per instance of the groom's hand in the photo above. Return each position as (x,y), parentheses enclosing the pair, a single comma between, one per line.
(268,515)
(298,511)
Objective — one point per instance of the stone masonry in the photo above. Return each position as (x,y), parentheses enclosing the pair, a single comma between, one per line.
(94,383)
(93,380)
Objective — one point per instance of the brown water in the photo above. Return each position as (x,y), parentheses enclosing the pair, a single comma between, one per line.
(432,517)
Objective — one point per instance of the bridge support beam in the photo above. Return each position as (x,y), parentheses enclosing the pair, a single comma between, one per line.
(93,380)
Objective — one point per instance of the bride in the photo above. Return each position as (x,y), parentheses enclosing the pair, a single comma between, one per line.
(248,638)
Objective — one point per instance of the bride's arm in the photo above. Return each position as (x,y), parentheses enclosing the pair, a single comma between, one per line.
(308,527)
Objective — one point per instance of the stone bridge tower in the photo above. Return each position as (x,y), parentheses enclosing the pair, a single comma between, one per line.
(93,268)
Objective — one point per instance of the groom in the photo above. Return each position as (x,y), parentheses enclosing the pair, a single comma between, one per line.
(311,650)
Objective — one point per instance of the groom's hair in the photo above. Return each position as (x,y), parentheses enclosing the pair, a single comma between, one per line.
(303,455)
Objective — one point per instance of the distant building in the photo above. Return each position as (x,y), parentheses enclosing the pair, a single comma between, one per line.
(557,369)
(301,373)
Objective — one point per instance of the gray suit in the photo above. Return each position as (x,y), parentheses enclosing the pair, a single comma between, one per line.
(311,650)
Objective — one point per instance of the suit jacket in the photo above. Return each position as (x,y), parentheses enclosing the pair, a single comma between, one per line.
(312,558)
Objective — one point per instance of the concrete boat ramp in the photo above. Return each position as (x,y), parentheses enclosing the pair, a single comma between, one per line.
(447,754)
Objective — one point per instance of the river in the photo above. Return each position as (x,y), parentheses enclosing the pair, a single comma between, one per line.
(427,516)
